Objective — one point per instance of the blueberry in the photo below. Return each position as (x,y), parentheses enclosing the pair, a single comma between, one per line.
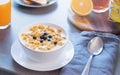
(49,39)
(45,37)
(55,43)
(34,37)
(44,33)
(41,37)
(41,41)
(50,36)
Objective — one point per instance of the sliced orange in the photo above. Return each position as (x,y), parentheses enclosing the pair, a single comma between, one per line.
(82,7)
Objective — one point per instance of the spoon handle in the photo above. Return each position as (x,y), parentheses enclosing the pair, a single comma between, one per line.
(87,67)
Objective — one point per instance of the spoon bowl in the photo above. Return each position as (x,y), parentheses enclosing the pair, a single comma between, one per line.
(95,47)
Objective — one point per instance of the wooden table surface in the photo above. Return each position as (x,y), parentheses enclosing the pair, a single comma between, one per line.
(95,22)
(21,16)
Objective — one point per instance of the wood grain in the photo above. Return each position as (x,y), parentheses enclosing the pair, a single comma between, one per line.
(95,22)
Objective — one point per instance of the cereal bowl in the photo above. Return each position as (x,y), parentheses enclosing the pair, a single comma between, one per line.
(42,41)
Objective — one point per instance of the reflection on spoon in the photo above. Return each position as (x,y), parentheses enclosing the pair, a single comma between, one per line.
(95,47)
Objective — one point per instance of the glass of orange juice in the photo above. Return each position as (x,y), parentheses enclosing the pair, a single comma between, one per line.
(100,6)
(5,13)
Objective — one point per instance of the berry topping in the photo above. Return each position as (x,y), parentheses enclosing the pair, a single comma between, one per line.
(50,36)
(41,37)
(49,39)
(41,41)
(45,37)
(44,33)
(34,37)
(55,43)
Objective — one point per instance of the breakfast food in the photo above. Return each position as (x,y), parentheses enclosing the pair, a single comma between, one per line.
(82,7)
(36,2)
(41,37)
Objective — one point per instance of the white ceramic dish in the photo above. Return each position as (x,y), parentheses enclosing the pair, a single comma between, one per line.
(42,55)
(19,56)
(36,6)
(26,29)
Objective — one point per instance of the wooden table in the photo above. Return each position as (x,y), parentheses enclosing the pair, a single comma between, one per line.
(95,22)
(21,16)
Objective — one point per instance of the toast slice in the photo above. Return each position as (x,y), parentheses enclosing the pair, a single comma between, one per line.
(40,2)
(28,2)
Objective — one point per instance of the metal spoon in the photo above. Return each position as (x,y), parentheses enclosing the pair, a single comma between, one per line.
(95,47)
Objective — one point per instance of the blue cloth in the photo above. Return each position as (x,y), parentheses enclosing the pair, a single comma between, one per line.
(102,64)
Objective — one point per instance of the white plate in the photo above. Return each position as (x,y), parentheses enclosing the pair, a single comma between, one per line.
(21,3)
(22,60)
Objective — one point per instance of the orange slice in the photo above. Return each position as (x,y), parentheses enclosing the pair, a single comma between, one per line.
(82,7)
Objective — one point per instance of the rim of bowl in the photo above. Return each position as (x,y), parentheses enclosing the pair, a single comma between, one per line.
(36,24)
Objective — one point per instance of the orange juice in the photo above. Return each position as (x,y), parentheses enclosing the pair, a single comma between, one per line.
(100,5)
(5,13)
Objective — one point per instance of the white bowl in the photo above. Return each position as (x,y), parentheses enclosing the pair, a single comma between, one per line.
(41,55)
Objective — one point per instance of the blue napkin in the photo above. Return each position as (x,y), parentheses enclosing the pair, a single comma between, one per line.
(103,64)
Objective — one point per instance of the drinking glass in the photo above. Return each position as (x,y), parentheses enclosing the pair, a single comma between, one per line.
(100,6)
(5,13)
